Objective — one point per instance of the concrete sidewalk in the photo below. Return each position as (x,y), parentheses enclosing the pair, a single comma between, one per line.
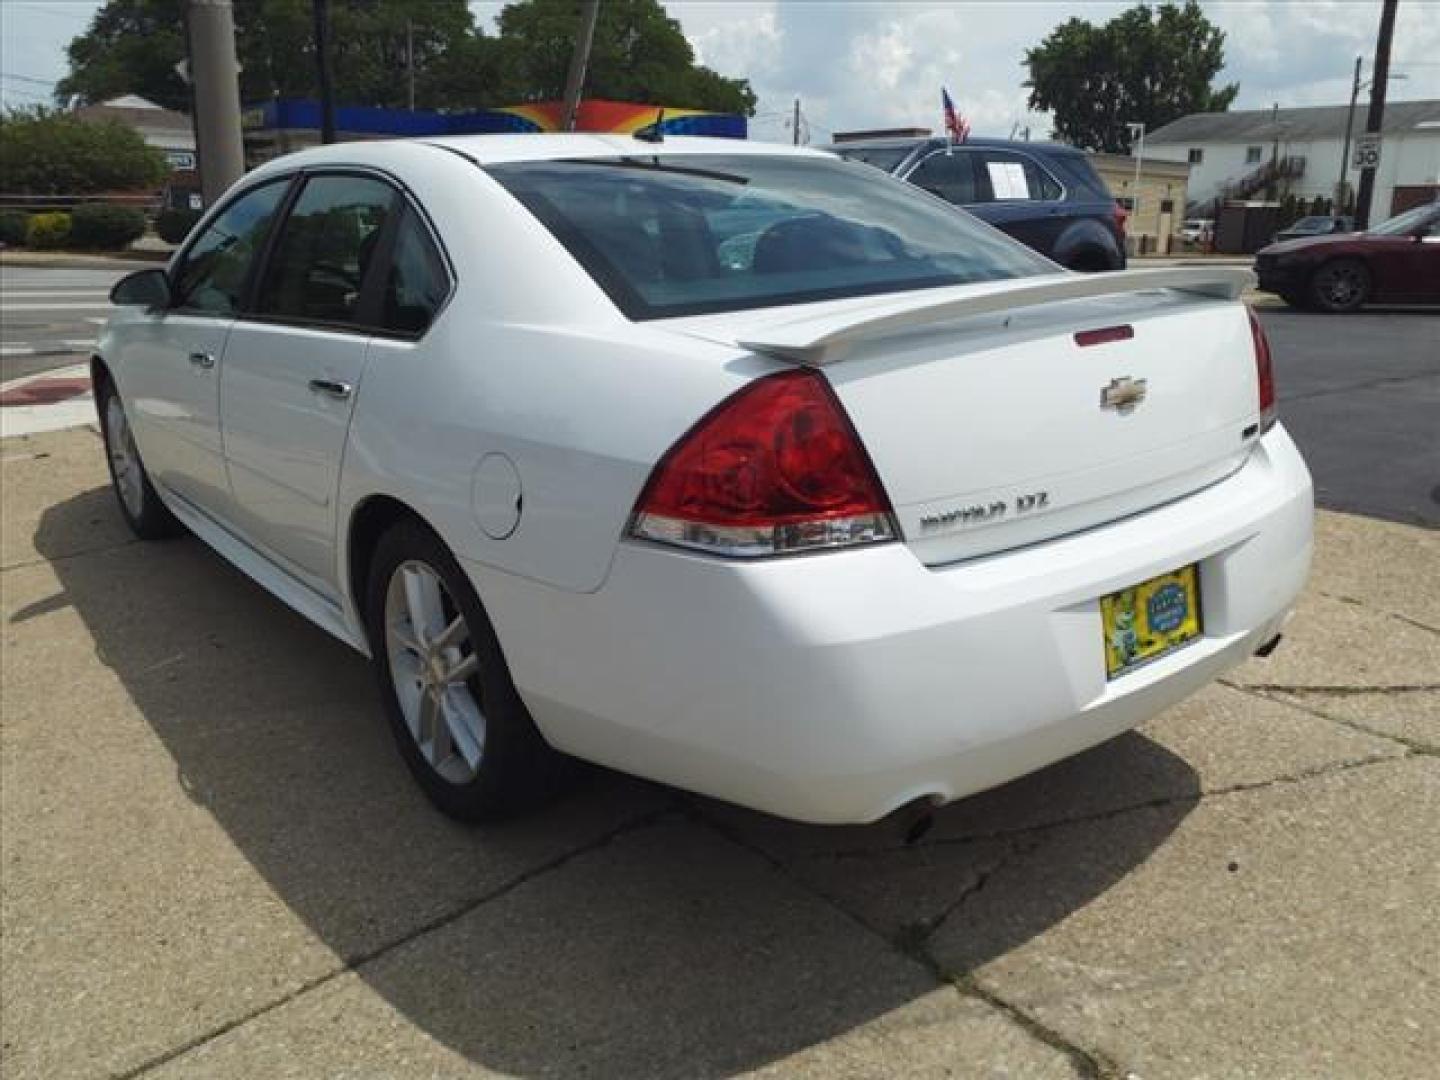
(214,864)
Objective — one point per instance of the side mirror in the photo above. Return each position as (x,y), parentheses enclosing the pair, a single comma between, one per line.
(143,288)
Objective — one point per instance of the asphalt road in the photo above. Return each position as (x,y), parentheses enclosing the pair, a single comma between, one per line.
(1360,393)
(1361,396)
(50,316)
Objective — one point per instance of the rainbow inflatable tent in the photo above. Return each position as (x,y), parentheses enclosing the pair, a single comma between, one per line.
(286,117)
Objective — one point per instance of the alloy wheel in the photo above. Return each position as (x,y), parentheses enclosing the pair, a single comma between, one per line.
(434,670)
(124,458)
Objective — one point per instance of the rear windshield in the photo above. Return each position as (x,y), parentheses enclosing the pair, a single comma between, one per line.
(882,157)
(671,235)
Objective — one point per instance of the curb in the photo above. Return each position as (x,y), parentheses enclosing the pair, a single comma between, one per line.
(80,260)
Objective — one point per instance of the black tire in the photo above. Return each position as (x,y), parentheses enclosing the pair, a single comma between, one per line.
(148,517)
(1340,285)
(1088,262)
(517,770)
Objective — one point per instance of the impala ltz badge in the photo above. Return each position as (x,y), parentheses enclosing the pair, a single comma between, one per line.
(1123,394)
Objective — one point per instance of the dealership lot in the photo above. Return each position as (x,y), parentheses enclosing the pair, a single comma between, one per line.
(213,863)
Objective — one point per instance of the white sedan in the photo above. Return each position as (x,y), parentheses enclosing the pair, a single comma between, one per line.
(734,466)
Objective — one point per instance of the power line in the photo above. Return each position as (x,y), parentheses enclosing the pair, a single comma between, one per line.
(28,78)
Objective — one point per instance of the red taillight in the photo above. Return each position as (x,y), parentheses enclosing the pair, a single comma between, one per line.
(1264,372)
(1086,338)
(1122,215)
(775,468)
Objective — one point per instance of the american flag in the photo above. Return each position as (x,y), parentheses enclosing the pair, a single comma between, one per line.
(955,125)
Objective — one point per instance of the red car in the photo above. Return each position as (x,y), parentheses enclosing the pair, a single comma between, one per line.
(1394,263)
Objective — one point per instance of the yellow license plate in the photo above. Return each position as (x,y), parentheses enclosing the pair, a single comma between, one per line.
(1148,620)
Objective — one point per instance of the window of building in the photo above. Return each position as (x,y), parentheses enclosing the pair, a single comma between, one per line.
(1252,155)
(1197,155)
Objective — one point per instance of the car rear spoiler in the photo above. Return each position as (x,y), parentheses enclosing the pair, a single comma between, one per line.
(815,340)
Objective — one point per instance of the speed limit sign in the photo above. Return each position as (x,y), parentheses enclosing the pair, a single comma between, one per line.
(1367,151)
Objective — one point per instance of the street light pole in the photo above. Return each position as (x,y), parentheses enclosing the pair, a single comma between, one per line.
(322,65)
(1345,153)
(1139,157)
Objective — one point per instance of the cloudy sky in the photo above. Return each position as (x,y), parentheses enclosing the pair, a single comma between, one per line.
(864,64)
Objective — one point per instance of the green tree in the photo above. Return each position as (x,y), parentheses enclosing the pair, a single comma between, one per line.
(44,152)
(132,47)
(1146,65)
(639,54)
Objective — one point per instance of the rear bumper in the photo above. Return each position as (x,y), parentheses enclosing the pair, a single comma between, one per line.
(838,687)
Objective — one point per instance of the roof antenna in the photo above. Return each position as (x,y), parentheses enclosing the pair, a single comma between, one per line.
(654,132)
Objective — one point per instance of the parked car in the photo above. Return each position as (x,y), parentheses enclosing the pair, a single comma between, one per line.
(1045,195)
(1197,232)
(1397,262)
(1321,225)
(730,465)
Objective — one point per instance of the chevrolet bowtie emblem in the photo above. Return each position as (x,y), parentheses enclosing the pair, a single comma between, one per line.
(1123,394)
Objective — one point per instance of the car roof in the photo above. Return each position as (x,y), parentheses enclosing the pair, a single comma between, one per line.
(521,146)
(902,143)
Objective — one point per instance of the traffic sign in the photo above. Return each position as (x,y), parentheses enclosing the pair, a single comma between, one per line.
(1367,151)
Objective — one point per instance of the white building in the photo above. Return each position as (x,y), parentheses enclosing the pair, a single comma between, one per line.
(1230,154)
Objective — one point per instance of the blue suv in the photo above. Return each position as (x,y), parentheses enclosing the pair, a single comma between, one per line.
(1045,195)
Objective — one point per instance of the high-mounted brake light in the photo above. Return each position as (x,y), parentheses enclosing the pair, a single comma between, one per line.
(775,468)
(1086,338)
(1264,371)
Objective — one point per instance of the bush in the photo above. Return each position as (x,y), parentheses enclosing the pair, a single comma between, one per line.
(48,231)
(107,228)
(54,153)
(13,224)
(173,225)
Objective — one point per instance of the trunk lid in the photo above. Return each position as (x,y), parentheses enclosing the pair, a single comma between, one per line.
(998,429)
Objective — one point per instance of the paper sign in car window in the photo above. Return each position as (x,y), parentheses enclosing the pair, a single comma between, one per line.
(1007,179)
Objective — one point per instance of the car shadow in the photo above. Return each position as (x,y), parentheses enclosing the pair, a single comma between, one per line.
(624,931)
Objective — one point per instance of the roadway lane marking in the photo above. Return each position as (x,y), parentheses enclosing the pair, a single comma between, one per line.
(4,307)
(53,348)
(10,293)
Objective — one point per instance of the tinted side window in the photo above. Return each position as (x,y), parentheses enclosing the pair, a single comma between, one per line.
(415,282)
(324,250)
(212,277)
(1007,177)
(949,175)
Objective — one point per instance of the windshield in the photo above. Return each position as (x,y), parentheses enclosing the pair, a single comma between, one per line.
(1408,222)
(1311,224)
(669,235)
(885,158)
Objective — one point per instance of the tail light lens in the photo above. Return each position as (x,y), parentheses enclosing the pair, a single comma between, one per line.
(776,468)
(1122,215)
(1264,371)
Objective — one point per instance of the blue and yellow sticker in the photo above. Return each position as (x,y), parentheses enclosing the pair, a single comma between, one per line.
(1148,620)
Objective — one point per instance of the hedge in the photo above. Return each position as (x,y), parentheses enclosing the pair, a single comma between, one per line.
(174,225)
(105,228)
(13,225)
(48,231)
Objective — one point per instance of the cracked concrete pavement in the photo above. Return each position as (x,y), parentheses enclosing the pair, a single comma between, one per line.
(212,863)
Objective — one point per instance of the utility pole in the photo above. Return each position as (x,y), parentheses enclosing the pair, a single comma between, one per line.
(579,59)
(795,125)
(410,59)
(215,77)
(1339,207)
(322,69)
(1375,120)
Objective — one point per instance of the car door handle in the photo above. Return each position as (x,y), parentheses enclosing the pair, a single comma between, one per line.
(202,360)
(330,388)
